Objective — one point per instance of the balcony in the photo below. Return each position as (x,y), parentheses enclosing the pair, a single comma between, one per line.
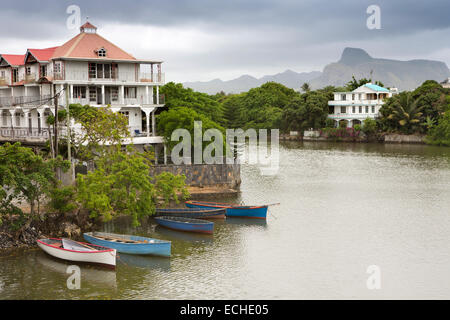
(113,78)
(22,101)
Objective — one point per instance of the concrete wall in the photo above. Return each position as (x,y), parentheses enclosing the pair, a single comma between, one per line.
(204,175)
(403,138)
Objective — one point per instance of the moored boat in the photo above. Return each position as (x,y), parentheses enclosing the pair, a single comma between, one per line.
(233,210)
(194,213)
(186,224)
(67,249)
(130,244)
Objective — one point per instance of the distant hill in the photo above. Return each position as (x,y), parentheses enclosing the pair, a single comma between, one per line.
(244,83)
(404,75)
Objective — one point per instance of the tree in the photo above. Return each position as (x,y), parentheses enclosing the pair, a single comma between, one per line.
(122,185)
(25,176)
(369,126)
(306,87)
(100,127)
(355,84)
(177,96)
(183,118)
(309,110)
(402,113)
(440,134)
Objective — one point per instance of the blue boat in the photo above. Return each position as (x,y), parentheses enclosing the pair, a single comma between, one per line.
(130,244)
(186,224)
(194,213)
(233,210)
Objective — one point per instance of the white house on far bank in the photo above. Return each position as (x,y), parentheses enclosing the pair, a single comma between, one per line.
(355,106)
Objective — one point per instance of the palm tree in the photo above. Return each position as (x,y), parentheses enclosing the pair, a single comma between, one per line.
(406,113)
(306,87)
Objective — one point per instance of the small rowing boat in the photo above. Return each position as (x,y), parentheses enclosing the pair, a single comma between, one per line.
(130,244)
(233,210)
(186,224)
(67,249)
(194,213)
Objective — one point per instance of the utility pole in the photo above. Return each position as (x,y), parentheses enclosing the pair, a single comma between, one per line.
(56,122)
(69,136)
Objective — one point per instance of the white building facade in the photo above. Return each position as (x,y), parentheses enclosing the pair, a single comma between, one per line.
(87,69)
(354,107)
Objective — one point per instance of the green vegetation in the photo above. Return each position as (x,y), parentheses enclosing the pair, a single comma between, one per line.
(25,178)
(440,134)
(355,84)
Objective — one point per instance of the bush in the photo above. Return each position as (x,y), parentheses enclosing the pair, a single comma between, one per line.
(369,126)
(440,134)
(62,199)
(357,127)
(329,123)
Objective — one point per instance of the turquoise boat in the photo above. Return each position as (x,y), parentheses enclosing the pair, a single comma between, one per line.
(233,210)
(130,244)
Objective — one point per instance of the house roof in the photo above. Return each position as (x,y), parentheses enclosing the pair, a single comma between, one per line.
(14,59)
(86,45)
(42,54)
(375,87)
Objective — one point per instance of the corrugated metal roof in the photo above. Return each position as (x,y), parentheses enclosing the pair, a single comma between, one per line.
(375,87)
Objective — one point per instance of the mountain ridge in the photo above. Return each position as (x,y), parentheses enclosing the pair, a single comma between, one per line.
(404,75)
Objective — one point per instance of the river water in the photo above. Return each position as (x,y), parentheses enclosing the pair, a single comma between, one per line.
(344,207)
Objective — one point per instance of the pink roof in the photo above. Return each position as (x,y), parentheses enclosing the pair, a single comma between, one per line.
(14,59)
(43,54)
(88,25)
(86,45)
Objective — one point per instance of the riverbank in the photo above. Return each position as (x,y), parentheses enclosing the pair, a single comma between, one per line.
(380,138)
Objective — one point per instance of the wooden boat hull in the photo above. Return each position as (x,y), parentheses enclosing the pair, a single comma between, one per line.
(149,247)
(252,212)
(104,256)
(194,213)
(186,224)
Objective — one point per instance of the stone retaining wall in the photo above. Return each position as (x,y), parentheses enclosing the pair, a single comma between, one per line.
(205,175)
(403,138)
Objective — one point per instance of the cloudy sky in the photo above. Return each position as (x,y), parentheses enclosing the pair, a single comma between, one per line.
(208,39)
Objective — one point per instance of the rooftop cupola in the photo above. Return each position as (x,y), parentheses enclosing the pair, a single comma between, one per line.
(88,28)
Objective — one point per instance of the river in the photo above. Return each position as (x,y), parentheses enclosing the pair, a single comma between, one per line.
(344,207)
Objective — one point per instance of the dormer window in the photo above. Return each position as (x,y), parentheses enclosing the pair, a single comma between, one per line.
(101,52)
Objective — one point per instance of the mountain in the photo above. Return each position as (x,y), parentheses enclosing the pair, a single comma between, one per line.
(404,75)
(244,83)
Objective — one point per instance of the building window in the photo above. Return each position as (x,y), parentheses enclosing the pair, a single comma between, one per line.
(79,92)
(101,52)
(15,75)
(343,109)
(17,119)
(93,94)
(360,109)
(43,70)
(57,67)
(367,109)
(2,74)
(359,96)
(373,109)
(114,94)
(353,109)
(103,70)
(343,97)
(28,70)
(130,92)
(126,114)
(4,118)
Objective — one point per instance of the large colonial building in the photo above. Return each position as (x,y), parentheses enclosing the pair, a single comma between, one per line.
(354,107)
(94,71)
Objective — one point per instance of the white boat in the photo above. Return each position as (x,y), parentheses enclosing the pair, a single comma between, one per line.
(78,251)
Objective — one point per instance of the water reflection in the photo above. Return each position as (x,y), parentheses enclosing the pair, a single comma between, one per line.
(247,222)
(146,262)
(185,236)
(89,273)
